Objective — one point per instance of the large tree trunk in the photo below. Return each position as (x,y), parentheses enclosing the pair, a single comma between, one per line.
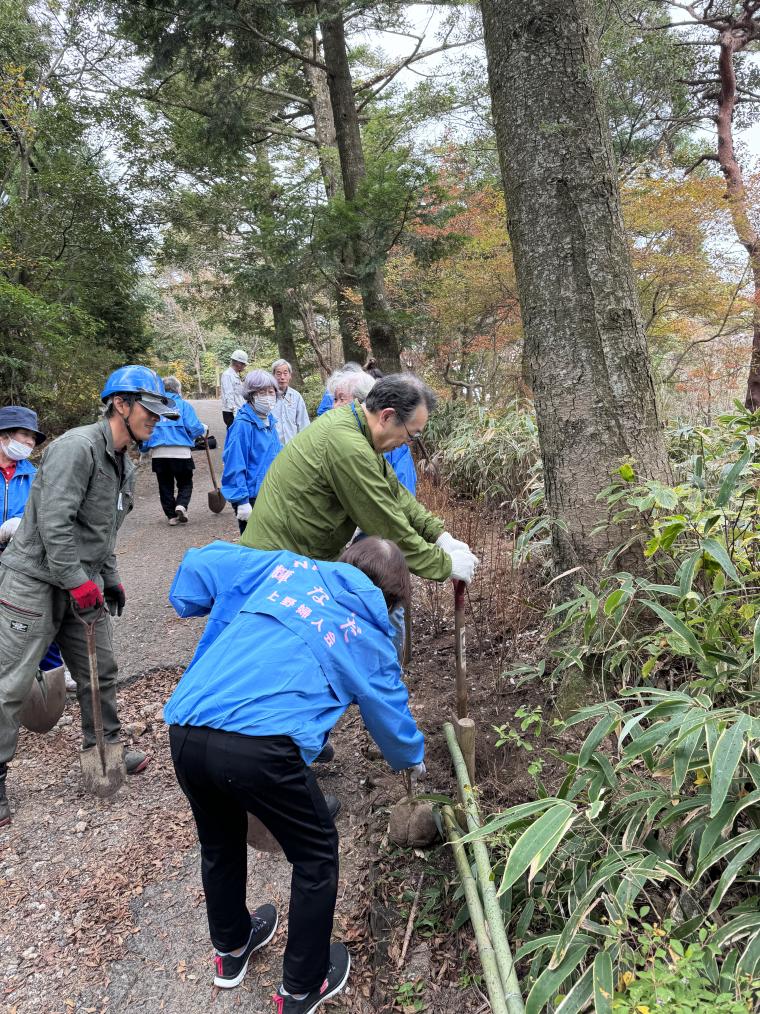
(382,334)
(286,346)
(734,37)
(586,355)
(349,313)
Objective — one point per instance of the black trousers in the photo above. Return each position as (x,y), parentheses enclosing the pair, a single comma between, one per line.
(168,472)
(225,776)
(229,418)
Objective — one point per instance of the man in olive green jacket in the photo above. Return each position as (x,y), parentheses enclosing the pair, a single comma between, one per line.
(332,478)
(61,560)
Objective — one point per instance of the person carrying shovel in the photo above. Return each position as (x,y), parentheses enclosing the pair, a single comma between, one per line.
(60,567)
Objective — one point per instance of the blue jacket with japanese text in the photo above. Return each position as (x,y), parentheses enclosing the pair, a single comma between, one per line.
(290,643)
(176,432)
(250,448)
(15,492)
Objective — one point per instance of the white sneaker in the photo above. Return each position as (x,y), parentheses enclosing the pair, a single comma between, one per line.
(69,681)
(181,515)
(174,520)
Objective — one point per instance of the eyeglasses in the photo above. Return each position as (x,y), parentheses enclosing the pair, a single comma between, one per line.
(412,436)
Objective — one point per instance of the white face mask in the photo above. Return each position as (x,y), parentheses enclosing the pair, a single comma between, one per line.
(15,450)
(263,404)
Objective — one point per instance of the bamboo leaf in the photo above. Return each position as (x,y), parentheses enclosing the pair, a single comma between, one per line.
(714,549)
(533,842)
(750,959)
(579,996)
(724,761)
(548,984)
(603,984)
(728,484)
(514,815)
(732,871)
(599,733)
(677,626)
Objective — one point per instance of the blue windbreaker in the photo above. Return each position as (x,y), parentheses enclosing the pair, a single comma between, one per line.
(14,494)
(326,404)
(402,463)
(176,432)
(249,449)
(290,643)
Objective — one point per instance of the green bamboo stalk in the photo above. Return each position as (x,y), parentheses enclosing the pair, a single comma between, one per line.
(491,905)
(485,948)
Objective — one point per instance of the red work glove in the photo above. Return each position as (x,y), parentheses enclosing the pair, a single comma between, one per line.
(116,598)
(87,595)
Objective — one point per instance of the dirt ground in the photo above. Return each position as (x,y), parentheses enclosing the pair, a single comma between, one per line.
(102,902)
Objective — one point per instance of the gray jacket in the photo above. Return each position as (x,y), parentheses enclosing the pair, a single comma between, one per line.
(75,508)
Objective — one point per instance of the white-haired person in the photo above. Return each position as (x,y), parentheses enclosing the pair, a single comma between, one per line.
(290,409)
(251,446)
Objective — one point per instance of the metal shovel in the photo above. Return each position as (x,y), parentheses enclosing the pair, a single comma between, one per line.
(216,499)
(103,770)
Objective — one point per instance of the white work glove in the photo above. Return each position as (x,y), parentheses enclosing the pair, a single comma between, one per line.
(448,543)
(417,772)
(243,511)
(8,529)
(463,564)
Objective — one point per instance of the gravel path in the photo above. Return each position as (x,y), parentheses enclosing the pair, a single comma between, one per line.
(150,635)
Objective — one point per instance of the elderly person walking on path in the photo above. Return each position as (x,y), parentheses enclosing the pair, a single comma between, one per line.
(171,443)
(333,478)
(232,386)
(290,410)
(251,446)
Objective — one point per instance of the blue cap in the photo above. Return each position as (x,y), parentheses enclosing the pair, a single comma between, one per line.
(18,417)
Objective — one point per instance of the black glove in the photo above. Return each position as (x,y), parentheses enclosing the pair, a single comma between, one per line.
(116,599)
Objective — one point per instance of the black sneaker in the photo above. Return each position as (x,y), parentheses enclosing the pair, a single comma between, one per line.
(326,755)
(337,976)
(230,969)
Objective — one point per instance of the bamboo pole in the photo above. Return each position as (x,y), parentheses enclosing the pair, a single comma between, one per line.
(485,948)
(491,905)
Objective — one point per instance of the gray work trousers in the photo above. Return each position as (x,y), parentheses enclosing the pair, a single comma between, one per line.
(32,614)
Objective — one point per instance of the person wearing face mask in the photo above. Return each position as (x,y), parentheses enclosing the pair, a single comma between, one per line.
(61,561)
(332,479)
(19,435)
(251,446)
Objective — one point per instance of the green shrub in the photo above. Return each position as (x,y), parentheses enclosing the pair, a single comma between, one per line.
(659,811)
(488,456)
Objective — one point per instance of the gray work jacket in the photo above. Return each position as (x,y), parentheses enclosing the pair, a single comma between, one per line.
(75,508)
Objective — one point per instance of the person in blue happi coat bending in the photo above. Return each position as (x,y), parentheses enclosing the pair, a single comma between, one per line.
(251,446)
(289,645)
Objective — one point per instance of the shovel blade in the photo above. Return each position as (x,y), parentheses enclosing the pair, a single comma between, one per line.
(99,778)
(216,501)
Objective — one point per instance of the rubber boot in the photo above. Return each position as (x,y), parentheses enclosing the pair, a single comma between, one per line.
(5,807)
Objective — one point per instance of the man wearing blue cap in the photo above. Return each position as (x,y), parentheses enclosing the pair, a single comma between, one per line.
(61,560)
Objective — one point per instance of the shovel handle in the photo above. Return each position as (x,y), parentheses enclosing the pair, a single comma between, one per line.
(460,650)
(210,466)
(92,658)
